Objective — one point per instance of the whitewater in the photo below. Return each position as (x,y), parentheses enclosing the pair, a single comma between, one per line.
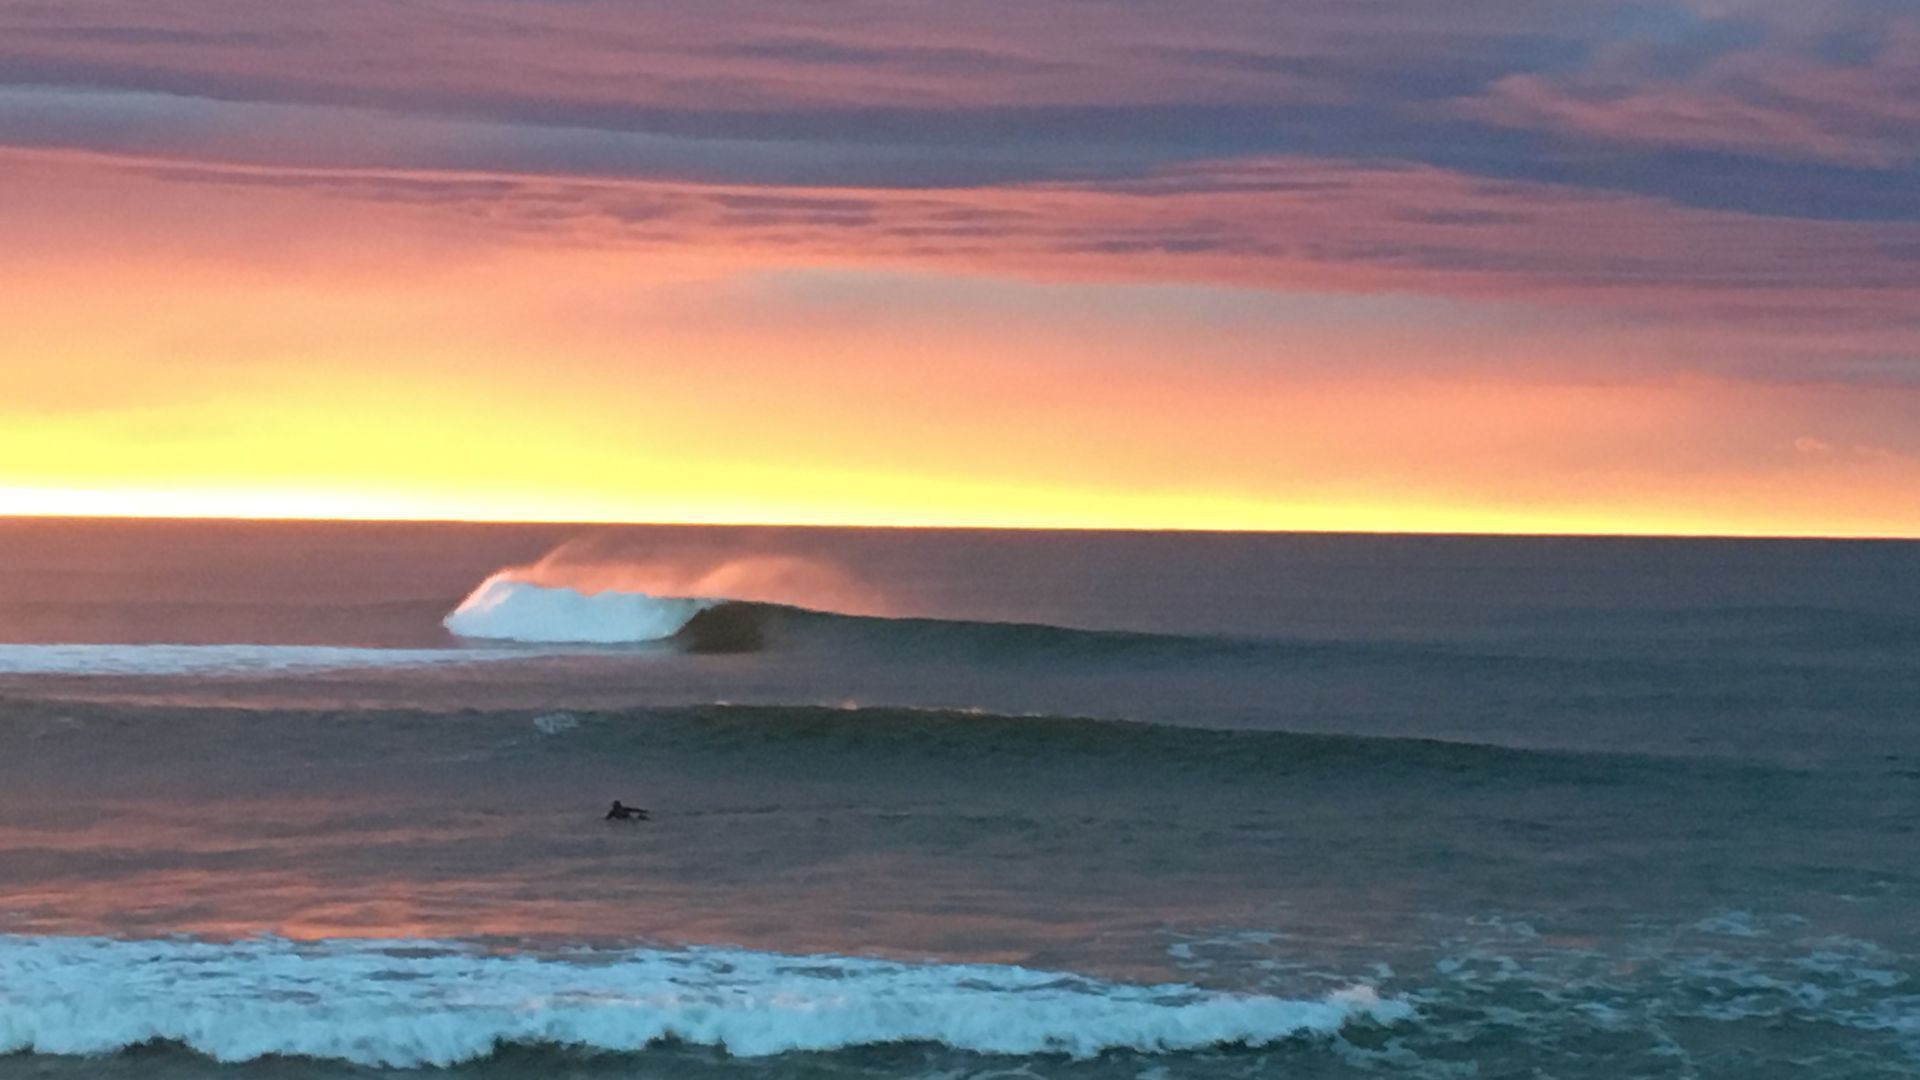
(408,1004)
(953,804)
(506,610)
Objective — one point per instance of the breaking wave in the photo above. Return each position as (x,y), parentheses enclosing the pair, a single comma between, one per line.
(404,1004)
(504,609)
(578,595)
(583,594)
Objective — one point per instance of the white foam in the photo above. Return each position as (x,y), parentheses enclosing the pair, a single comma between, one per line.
(226,659)
(555,723)
(504,609)
(402,1004)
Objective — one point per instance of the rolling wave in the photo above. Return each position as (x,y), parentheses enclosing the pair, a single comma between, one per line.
(858,741)
(508,610)
(408,1004)
(857,738)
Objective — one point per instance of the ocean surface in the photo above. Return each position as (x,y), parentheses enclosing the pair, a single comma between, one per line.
(296,800)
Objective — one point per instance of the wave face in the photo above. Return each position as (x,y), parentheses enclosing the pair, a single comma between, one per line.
(503,609)
(506,609)
(408,1004)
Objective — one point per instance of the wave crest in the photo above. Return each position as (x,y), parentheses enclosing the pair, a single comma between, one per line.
(505,609)
(586,592)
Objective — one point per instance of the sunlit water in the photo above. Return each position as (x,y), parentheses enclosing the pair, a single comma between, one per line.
(1053,805)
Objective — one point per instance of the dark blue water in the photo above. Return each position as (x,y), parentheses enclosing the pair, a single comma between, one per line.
(954,804)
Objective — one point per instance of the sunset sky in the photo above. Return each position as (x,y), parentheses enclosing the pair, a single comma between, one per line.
(1555,266)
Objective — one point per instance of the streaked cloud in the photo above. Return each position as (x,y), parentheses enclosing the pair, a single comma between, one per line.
(1287,224)
(1830,82)
(1251,262)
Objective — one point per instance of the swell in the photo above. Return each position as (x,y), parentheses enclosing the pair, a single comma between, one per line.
(743,627)
(1804,625)
(740,626)
(821,740)
(863,739)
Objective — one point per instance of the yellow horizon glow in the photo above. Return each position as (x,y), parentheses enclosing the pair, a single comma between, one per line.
(25,504)
(279,355)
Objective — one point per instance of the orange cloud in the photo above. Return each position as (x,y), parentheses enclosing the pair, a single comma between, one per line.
(303,354)
(1255,342)
(1278,223)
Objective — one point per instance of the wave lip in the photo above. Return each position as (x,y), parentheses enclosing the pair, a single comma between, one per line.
(506,609)
(408,1004)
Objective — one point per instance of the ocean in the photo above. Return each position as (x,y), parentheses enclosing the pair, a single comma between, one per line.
(328,800)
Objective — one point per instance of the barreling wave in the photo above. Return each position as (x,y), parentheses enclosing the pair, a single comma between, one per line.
(507,609)
(503,609)
(406,1004)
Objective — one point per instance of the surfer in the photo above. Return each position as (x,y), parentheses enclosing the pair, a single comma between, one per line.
(622,812)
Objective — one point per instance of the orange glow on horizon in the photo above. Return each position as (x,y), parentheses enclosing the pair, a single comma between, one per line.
(278,354)
(1188,515)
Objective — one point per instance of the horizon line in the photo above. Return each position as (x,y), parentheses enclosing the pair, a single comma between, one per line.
(1545,534)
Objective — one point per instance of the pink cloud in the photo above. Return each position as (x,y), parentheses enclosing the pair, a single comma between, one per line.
(717,55)
(1281,223)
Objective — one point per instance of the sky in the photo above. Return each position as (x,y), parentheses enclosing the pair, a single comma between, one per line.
(1383,265)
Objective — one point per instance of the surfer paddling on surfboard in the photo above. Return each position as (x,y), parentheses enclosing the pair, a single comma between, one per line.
(622,812)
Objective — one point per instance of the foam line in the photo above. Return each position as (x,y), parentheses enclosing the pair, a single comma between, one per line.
(114,659)
(405,1004)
